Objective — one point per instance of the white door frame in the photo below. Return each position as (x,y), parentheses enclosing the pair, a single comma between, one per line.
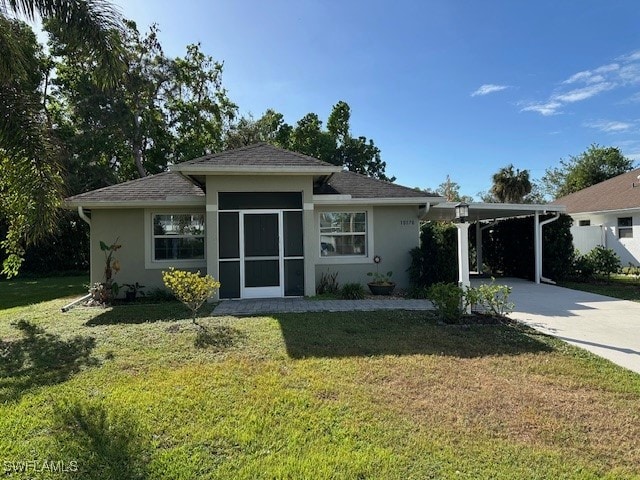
(262,292)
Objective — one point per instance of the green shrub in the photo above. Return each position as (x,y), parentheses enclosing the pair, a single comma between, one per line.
(352,291)
(489,298)
(605,261)
(447,298)
(436,260)
(417,292)
(328,284)
(190,288)
(583,267)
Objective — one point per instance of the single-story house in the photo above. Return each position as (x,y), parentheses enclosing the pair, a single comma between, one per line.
(607,214)
(264,221)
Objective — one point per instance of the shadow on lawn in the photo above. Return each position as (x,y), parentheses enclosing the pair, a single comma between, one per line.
(394,333)
(40,358)
(140,313)
(105,445)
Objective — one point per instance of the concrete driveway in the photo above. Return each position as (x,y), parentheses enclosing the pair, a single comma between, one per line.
(603,325)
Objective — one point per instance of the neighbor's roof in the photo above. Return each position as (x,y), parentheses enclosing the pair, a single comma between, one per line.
(617,193)
(361,186)
(163,187)
(261,158)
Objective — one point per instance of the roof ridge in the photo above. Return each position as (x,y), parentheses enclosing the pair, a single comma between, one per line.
(596,185)
(379,180)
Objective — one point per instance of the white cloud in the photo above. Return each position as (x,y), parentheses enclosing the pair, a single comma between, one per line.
(489,88)
(630,73)
(610,126)
(585,84)
(546,109)
(580,94)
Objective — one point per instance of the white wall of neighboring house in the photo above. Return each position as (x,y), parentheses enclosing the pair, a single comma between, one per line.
(606,226)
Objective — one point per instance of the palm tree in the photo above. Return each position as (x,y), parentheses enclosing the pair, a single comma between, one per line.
(30,179)
(511,186)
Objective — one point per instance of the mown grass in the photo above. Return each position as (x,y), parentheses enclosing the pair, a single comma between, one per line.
(25,291)
(625,287)
(135,392)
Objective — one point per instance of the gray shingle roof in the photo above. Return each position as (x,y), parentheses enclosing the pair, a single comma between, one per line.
(361,186)
(157,187)
(617,193)
(257,155)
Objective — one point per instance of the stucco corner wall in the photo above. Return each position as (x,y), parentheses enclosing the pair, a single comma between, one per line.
(127,226)
(396,230)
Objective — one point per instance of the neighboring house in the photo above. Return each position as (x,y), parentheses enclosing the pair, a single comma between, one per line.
(607,214)
(265,221)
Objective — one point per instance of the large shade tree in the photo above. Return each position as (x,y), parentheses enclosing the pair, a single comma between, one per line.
(334,144)
(592,166)
(30,176)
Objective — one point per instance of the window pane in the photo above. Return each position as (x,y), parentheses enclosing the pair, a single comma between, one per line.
(180,248)
(624,222)
(335,245)
(343,222)
(179,224)
(625,232)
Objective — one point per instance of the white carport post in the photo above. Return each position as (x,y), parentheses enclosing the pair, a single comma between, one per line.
(537,247)
(463,257)
(478,248)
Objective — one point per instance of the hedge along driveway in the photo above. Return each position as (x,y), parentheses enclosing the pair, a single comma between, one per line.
(606,326)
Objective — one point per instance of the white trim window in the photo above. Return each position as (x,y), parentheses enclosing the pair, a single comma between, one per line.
(343,234)
(625,227)
(178,236)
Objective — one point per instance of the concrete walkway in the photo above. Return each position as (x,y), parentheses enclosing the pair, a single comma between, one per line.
(603,325)
(299,305)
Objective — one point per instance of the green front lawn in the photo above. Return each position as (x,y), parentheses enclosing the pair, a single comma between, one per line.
(136,392)
(618,286)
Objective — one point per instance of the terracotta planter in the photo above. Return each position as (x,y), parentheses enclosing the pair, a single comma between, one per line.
(381,289)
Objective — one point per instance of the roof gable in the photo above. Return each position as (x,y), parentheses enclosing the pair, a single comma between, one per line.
(617,193)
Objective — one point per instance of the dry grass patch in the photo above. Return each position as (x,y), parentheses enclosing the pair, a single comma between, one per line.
(502,398)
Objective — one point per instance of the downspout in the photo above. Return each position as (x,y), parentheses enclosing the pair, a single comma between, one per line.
(542,224)
(83,216)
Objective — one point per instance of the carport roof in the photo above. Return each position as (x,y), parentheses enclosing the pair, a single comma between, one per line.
(491,211)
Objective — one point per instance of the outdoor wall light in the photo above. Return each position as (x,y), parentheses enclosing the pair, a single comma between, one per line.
(462,211)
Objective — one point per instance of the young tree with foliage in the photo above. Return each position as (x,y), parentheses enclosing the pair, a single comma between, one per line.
(511,186)
(592,166)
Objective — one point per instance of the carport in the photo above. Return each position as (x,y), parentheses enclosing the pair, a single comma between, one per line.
(484,215)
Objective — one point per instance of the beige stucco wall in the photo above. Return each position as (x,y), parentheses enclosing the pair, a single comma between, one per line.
(396,230)
(393,231)
(128,226)
(261,183)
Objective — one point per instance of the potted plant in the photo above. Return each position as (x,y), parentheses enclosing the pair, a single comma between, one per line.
(132,291)
(381,284)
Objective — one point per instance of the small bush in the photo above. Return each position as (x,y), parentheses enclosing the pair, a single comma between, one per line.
(352,291)
(605,261)
(190,288)
(447,298)
(490,298)
(583,268)
(328,284)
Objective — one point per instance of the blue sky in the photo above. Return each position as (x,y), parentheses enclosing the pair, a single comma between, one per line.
(443,87)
